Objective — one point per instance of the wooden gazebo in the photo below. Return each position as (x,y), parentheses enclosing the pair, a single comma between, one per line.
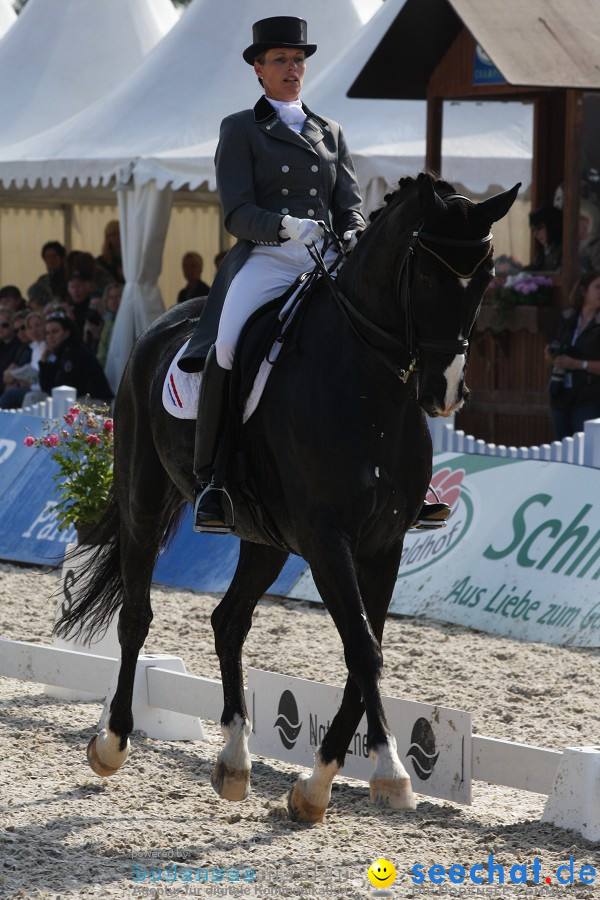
(543,51)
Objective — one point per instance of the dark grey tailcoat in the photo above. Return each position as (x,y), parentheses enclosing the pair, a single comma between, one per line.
(265,171)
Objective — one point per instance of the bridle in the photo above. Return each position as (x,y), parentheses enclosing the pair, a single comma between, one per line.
(382,343)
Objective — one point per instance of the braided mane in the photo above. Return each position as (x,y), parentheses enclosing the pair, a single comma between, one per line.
(408,185)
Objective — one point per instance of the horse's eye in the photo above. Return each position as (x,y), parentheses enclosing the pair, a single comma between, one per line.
(425,279)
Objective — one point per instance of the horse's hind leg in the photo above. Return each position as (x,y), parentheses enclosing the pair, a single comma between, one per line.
(358,602)
(257,569)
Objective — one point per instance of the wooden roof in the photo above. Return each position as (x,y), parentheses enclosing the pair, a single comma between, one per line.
(534,43)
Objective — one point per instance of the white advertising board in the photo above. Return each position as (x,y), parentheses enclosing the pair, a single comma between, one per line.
(291,715)
(520,556)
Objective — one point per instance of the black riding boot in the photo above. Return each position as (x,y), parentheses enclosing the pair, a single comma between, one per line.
(213,511)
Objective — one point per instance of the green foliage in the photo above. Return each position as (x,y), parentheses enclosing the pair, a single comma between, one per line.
(83,450)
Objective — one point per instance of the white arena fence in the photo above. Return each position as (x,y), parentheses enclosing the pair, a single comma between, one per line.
(168,705)
(583,449)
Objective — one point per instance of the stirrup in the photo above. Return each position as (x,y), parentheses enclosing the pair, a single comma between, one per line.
(432,515)
(209,516)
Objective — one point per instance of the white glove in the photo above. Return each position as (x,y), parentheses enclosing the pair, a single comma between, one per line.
(307,231)
(350,238)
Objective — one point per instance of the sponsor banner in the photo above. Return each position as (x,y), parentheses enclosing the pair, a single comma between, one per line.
(291,715)
(484,70)
(29,530)
(519,557)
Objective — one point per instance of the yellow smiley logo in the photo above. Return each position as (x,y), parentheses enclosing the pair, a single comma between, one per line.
(381,873)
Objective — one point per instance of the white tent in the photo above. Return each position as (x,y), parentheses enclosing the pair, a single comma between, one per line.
(7,16)
(62,55)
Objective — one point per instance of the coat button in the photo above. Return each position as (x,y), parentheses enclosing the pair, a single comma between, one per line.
(284,191)
(310,212)
(313,192)
(285,168)
(314,168)
(285,210)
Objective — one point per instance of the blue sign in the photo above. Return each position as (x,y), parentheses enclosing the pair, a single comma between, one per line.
(484,70)
(29,529)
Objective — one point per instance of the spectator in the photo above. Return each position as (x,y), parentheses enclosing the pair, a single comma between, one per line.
(110,259)
(575,356)
(11,298)
(38,296)
(67,361)
(112,301)
(589,236)
(25,378)
(546,227)
(79,287)
(92,327)
(55,279)
(192,265)
(9,342)
(219,259)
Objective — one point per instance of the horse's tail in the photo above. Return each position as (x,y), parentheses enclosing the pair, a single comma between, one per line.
(98,585)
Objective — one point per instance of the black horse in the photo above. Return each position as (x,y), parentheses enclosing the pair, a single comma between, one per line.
(340,456)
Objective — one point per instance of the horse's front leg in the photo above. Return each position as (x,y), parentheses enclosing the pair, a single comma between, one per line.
(360,626)
(257,569)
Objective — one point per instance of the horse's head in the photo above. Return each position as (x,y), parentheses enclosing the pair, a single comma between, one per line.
(442,284)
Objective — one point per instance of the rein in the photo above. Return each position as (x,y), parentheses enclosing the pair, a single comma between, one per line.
(408,350)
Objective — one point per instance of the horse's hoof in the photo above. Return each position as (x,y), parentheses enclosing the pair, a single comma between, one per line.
(230,784)
(301,809)
(96,763)
(392,793)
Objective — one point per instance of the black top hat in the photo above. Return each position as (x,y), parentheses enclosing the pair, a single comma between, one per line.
(278,31)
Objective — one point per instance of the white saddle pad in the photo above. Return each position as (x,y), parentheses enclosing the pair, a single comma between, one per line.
(181,389)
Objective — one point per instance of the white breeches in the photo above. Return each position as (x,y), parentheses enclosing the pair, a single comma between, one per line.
(266,274)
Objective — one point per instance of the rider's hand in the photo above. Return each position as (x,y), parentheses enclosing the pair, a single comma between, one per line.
(307,231)
(350,238)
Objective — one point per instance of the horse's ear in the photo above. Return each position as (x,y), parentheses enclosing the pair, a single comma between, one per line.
(496,207)
(432,206)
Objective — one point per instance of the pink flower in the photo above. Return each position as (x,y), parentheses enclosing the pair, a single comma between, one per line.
(70,419)
(29,441)
(108,425)
(74,411)
(93,440)
(52,440)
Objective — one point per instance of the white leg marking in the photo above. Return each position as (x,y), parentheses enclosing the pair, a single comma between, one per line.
(317,787)
(107,748)
(235,753)
(453,375)
(390,782)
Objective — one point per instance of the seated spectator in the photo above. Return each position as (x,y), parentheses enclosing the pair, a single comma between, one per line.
(55,279)
(38,297)
(218,260)
(67,361)
(9,342)
(79,287)
(110,259)
(192,265)
(11,298)
(21,378)
(93,323)
(112,301)
(546,227)
(589,237)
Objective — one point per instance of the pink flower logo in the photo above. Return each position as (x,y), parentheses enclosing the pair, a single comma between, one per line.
(447,485)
